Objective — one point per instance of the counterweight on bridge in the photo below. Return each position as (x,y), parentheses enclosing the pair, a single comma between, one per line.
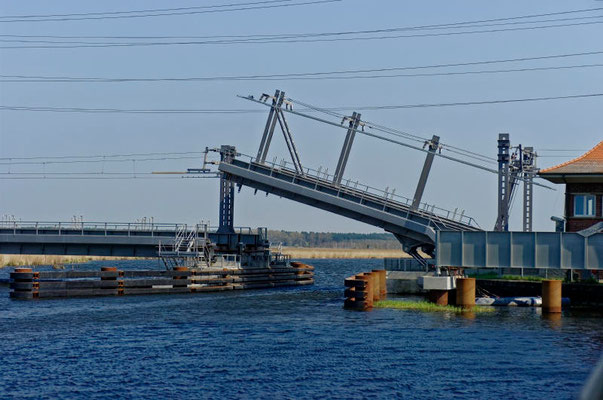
(277,114)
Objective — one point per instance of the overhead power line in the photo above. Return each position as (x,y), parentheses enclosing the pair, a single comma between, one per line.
(419,27)
(469,103)
(142,11)
(155,13)
(308,76)
(240,111)
(134,176)
(286,41)
(263,37)
(570,150)
(97,160)
(126,111)
(102,156)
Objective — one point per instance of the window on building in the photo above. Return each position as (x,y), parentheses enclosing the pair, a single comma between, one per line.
(584,205)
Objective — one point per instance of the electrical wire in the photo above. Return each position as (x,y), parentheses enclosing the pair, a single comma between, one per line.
(126,111)
(142,11)
(110,160)
(419,27)
(308,76)
(161,14)
(102,155)
(469,103)
(288,41)
(255,37)
(103,178)
(562,150)
(331,109)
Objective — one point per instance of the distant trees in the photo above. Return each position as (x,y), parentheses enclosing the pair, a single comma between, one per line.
(334,240)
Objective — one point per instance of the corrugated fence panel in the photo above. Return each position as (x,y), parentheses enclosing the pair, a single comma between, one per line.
(594,252)
(572,251)
(450,248)
(474,249)
(498,249)
(548,249)
(522,249)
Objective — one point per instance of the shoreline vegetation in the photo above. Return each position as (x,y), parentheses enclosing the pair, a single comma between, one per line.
(325,252)
(18,260)
(425,306)
(23,260)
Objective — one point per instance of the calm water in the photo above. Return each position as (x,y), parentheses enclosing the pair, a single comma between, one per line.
(285,343)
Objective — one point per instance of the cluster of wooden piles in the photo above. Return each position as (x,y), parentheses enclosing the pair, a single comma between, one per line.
(109,281)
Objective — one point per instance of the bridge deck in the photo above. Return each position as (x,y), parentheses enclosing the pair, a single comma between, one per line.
(414,227)
(110,239)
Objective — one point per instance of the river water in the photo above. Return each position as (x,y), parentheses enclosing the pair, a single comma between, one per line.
(285,343)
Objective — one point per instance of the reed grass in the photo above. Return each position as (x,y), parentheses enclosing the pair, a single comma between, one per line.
(321,252)
(17,260)
(427,307)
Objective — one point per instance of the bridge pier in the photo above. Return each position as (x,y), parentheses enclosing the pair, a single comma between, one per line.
(551,296)
(465,292)
(439,297)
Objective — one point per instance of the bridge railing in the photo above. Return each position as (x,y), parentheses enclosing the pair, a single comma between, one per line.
(428,210)
(103,228)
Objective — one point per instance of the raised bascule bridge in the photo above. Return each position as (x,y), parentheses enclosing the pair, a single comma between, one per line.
(451,238)
(430,234)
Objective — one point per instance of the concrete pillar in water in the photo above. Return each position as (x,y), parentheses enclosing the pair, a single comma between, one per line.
(551,296)
(439,297)
(382,283)
(465,292)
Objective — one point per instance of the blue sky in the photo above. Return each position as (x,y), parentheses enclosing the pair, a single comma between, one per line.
(571,124)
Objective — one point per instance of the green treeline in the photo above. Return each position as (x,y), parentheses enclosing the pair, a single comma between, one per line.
(334,240)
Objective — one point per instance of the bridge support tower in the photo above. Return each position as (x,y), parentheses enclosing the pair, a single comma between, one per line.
(227,154)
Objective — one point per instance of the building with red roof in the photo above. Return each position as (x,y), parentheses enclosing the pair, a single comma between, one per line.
(583,179)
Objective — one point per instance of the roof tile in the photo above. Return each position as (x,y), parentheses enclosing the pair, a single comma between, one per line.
(590,162)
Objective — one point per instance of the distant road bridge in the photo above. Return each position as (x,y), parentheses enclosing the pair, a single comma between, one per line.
(118,239)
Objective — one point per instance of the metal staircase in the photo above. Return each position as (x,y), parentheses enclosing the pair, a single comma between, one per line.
(190,248)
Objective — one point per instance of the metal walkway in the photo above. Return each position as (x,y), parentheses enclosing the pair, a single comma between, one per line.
(414,227)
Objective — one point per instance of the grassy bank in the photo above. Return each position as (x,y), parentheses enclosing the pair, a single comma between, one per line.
(9,260)
(427,307)
(320,252)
